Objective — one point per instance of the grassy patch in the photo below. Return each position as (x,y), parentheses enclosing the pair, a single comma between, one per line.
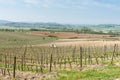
(109,73)
(14,39)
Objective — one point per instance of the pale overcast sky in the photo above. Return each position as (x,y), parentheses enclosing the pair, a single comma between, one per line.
(61,11)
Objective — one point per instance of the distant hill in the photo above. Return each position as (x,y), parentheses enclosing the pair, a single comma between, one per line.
(59,27)
(29,24)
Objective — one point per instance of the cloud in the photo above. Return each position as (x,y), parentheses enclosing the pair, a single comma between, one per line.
(87,4)
(101,4)
(77,4)
(40,3)
(8,2)
(31,2)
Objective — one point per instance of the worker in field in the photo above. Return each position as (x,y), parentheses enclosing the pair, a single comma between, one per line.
(53,45)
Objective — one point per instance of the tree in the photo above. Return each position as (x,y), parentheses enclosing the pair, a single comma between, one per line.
(86,30)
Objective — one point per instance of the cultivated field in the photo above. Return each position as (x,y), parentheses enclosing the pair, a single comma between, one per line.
(31,56)
(74,39)
(67,35)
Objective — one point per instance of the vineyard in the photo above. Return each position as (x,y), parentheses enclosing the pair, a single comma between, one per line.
(42,59)
(60,40)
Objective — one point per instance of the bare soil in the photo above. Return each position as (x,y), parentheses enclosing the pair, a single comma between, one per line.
(72,39)
(68,34)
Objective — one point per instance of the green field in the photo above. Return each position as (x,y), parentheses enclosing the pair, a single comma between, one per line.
(105,73)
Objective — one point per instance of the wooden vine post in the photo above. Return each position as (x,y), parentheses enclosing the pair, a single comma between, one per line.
(51,62)
(14,67)
(81,57)
(113,54)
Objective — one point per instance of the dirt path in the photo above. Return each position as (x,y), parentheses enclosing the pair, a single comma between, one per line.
(79,42)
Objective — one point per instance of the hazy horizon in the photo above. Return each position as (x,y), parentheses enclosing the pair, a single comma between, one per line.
(61,11)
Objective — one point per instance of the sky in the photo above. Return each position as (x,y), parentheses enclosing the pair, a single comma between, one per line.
(61,11)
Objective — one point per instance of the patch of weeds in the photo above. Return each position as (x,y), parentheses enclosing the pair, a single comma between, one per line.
(110,72)
(52,36)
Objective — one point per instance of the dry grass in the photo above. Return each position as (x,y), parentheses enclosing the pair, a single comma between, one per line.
(81,43)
